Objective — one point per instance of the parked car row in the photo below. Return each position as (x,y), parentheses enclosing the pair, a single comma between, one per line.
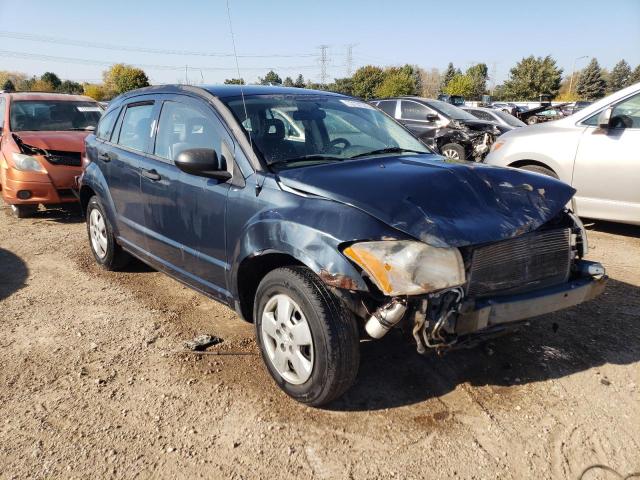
(323,220)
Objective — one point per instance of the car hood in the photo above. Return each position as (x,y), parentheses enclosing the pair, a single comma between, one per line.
(63,141)
(442,203)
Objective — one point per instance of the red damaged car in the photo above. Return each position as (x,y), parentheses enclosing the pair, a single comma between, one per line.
(42,146)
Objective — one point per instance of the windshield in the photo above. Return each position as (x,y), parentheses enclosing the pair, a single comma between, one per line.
(289,130)
(450,111)
(54,115)
(509,119)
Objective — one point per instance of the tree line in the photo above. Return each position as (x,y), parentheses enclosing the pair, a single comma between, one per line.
(117,79)
(529,78)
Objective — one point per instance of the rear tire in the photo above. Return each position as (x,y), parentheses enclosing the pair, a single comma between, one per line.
(324,363)
(23,211)
(106,251)
(453,151)
(540,169)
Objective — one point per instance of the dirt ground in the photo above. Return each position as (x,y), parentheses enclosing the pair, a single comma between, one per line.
(93,384)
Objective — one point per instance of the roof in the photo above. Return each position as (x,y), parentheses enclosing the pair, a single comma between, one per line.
(222,91)
(48,96)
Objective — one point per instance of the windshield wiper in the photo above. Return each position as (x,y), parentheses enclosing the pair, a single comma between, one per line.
(83,129)
(307,158)
(387,150)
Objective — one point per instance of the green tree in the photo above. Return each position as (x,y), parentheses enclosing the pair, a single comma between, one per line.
(234,81)
(26,84)
(271,78)
(591,85)
(635,76)
(8,86)
(288,82)
(69,86)
(299,82)
(531,77)
(448,75)
(460,85)
(397,81)
(478,74)
(51,79)
(620,77)
(341,85)
(97,92)
(366,80)
(121,78)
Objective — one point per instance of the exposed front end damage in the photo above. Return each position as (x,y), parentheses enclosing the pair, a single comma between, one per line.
(475,138)
(506,283)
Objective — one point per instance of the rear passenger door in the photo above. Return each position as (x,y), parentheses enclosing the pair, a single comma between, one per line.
(120,159)
(184,213)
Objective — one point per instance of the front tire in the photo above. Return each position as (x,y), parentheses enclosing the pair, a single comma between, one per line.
(309,341)
(106,251)
(540,169)
(23,211)
(453,151)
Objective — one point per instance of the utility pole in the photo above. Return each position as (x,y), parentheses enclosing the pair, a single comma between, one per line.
(573,71)
(324,59)
(493,78)
(186,74)
(350,58)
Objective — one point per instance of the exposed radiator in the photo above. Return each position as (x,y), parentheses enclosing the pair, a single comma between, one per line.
(532,261)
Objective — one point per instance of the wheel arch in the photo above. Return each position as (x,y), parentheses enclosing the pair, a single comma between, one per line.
(523,163)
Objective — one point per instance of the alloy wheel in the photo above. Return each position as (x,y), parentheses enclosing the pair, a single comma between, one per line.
(450,153)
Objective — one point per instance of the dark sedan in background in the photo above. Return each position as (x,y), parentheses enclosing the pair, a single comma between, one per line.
(447,129)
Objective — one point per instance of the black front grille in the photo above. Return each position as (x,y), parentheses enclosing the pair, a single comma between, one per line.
(57,157)
(532,261)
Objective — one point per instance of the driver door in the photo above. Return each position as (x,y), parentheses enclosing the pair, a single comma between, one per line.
(607,165)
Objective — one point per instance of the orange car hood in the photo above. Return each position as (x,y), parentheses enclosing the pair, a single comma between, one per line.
(61,141)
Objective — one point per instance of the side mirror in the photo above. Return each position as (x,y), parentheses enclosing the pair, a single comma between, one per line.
(203,162)
(432,117)
(604,119)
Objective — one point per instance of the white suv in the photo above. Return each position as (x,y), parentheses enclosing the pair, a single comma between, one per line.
(595,150)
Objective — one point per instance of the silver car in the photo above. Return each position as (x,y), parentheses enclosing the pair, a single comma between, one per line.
(496,116)
(596,150)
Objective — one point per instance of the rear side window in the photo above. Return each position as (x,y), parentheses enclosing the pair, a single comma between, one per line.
(183,127)
(105,127)
(388,107)
(482,115)
(136,127)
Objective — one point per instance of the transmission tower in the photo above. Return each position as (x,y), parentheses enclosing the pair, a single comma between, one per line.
(324,59)
(350,58)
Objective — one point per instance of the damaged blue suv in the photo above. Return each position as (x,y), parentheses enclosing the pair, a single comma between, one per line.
(321,220)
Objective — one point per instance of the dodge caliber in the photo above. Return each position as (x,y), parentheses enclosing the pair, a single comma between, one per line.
(323,221)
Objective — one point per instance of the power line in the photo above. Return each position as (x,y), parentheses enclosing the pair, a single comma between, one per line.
(86,61)
(106,46)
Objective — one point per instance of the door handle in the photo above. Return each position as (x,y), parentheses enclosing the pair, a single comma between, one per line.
(151,174)
(105,157)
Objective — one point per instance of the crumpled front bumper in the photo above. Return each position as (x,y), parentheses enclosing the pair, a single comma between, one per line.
(490,312)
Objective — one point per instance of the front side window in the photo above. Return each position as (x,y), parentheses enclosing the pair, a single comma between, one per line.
(183,127)
(481,115)
(332,128)
(450,111)
(414,111)
(54,115)
(136,127)
(105,127)
(626,114)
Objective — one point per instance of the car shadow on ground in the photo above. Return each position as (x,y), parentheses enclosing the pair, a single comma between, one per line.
(13,273)
(63,214)
(605,330)
(611,227)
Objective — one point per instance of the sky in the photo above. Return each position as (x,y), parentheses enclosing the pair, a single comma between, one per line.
(285,35)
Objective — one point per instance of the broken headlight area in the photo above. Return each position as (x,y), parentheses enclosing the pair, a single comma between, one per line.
(450,297)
